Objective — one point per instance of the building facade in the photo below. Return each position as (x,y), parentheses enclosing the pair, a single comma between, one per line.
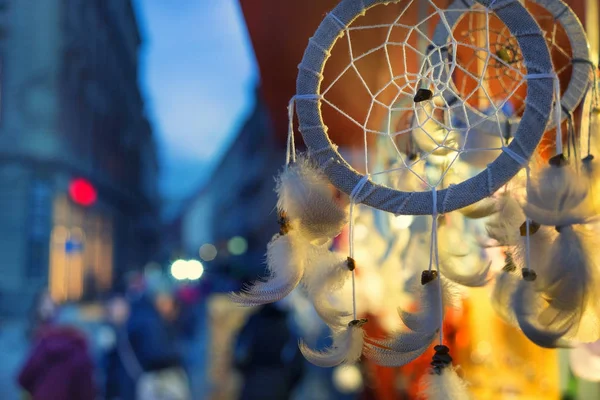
(72,124)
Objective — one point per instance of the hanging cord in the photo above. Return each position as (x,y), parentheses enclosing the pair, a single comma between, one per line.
(290,155)
(434,254)
(593,109)
(522,161)
(558,116)
(353,200)
(571,139)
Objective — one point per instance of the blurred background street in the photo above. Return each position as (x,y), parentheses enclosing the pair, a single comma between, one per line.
(138,144)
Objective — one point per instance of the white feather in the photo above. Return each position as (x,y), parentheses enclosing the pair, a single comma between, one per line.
(445,386)
(504,225)
(570,284)
(555,197)
(451,270)
(527,305)
(346,348)
(483,208)
(428,318)
(325,275)
(306,196)
(405,342)
(285,267)
(504,288)
(390,358)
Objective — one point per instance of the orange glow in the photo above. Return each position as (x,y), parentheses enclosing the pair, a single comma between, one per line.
(80,244)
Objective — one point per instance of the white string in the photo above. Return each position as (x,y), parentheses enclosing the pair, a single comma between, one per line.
(434,253)
(355,192)
(291,147)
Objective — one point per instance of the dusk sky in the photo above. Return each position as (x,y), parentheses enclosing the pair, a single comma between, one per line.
(198,73)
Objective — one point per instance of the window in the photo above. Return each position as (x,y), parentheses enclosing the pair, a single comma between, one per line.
(81,245)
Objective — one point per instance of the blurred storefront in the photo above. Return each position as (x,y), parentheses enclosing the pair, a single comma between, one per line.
(78,162)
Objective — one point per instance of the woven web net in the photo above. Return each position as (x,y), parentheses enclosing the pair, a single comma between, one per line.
(401,82)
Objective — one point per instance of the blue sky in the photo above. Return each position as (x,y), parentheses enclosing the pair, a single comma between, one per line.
(198,74)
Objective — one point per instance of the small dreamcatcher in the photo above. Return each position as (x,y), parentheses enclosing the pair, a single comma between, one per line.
(452,77)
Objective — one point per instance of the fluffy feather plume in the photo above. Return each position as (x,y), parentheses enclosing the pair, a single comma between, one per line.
(444,386)
(569,283)
(504,226)
(285,267)
(305,195)
(391,358)
(504,288)
(451,270)
(429,316)
(555,196)
(346,348)
(526,305)
(481,209)
(323,277)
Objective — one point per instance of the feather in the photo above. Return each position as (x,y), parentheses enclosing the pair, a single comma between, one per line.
(428,318)
(569,283)
(504,226)
(483,208)
(526,306)
(346,348)
(446,385)
(477,278)
(390,358)
(285,268)
(305,195)
(405,342)
(504,288)
(327,274)
(555,197)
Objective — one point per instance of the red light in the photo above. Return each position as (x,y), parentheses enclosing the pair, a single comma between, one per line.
(82,192)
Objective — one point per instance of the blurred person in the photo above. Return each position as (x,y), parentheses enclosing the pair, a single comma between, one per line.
(148,351)
(118,384)
(192,336)
(43,313)
(267,355)
(59,367)
(88,315)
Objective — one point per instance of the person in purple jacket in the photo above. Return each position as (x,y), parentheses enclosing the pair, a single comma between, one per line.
(59,367)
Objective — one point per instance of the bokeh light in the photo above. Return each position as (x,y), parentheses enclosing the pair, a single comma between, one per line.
(237,245)
(179,270)
(208,252)
(347,379)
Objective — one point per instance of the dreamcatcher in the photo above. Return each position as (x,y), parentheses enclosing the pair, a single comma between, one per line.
(466,95)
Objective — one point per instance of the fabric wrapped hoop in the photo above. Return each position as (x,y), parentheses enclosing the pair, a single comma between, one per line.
(581,75)
(529,133)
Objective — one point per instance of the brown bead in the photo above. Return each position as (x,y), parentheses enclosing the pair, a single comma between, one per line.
(533,228)
(358,322)
(423,95)
(529,275)
(428,276)
(351,264)
(441,349)
(558,161)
